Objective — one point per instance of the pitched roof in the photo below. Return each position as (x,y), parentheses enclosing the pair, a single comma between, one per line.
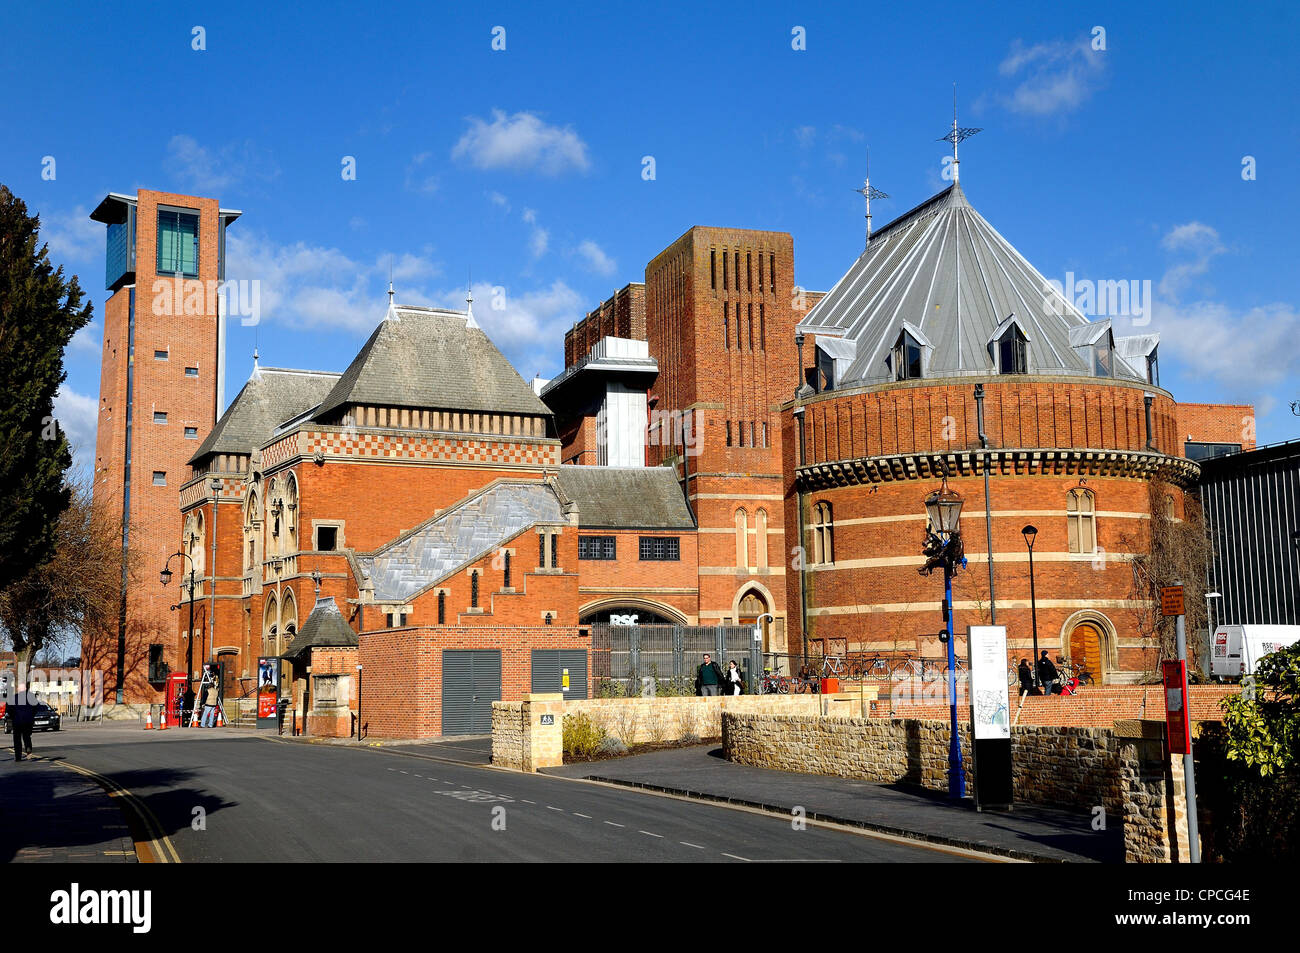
(948,272)
(324,627)
(432,358)
(271,396)
(626,497)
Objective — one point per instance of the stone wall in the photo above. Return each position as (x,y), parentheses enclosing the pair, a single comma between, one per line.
(1123,769)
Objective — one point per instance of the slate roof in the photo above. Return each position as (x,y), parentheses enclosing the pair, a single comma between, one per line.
(948,272)
(626,497)
(271,396)
(324,627)
(432,358)
(461,535)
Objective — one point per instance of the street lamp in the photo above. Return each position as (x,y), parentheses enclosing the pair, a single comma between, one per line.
(358,701)
(1208,597)
(1030,532)
(165,576)
(943,547)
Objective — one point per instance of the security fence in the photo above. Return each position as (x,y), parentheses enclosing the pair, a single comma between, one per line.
(663,659)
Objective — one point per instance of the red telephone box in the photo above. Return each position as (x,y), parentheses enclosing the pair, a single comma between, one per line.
(174,694)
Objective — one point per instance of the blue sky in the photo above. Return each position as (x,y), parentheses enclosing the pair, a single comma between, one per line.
(523,167)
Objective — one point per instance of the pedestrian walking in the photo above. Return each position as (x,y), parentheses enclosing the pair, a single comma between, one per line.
(1047,674)
(210,702)
(1026,675)
(735,681)
(708,677)
(22,714)
(187,713)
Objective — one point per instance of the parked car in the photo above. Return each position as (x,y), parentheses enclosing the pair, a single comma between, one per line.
(47,719)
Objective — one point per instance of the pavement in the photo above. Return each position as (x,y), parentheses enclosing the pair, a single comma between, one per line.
(50,813)
(1028,832)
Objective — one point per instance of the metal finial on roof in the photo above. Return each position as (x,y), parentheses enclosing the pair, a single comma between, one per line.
(958,134)
(257,370)
(869,193)
(469,308)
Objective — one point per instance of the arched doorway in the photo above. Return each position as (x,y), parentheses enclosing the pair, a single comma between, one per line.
(751,607)
(1085,650)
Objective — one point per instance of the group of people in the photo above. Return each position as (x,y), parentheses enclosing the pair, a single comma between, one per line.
(712,680)
(1048,676)
(211,701)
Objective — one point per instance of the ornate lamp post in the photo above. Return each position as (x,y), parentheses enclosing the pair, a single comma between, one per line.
(943,547)
(1030,532)
(165,577)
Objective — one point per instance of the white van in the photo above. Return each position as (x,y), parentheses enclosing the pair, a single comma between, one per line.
(1236,650)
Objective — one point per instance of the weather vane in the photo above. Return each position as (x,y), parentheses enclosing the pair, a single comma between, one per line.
(868,192)
(958,134)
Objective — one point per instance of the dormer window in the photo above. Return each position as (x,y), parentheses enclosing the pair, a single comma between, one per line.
(1153,368)
(1013,352)
(1103,356)
(907,357)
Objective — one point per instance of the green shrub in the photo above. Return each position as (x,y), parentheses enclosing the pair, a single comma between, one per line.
(582,736)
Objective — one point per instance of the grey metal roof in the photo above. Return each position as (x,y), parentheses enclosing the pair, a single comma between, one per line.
(459,536)
(626,497)
(324,627)
(945,270)
(271,396)
(432,358)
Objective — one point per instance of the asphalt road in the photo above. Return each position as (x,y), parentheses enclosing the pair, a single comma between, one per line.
(223,797)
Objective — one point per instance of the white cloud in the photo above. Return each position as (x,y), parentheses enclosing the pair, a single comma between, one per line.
(596,259)
(540,239)
(418,178)
(521,142)
(499,200)
(73,238)
(208,171)
(89,340)
(1197,239)
(528,326)
(1053,77)
(316,286)
(78,415)
(805,136)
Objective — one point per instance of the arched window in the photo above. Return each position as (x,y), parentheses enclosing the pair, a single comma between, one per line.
(195,548)
(270,626)
(251,519)
(288,617)
(823,534)
(1170,512)
(442,608)
(742,539)
(760,539)
(1081,517)
(290,526)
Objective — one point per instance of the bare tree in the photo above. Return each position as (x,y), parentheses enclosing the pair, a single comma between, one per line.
(78,589)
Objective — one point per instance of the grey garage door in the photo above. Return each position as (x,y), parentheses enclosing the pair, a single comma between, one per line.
(471,682)
(548,671)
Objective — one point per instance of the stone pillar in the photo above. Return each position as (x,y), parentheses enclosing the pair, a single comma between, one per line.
(1153,794)
(543,726)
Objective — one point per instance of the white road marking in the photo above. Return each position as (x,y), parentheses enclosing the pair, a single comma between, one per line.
(651,834)
(560,809)
(735,857)
(689,844)
(612,824)
(526,801)
(587,816)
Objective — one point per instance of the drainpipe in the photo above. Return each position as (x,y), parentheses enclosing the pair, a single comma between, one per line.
(803,589)
(988,506)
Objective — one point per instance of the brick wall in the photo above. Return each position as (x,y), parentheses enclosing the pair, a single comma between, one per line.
(402,688)
(622,315)
(1217,423)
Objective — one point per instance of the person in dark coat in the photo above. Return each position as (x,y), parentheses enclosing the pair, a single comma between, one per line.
(708,677)
(1047,673)
(735,680)
(1026,676)
(187,712)
(22,715)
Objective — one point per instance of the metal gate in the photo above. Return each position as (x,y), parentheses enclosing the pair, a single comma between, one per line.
(471,682)
(549,666)
(624,657)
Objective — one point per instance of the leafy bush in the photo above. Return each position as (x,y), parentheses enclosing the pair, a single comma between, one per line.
(612,746)
(582,736)
(1263,726)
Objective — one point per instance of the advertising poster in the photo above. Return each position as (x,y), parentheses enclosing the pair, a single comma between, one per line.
(988,682)
(268,692)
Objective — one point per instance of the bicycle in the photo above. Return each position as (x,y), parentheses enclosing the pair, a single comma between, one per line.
(876,667)
(771,684)
(833,667)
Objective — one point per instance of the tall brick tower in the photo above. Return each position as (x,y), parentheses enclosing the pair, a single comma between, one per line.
(159,395)
(720,314)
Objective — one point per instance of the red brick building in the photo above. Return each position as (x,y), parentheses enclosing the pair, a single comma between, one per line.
(427,515)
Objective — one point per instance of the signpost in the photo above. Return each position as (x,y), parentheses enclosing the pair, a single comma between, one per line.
(986,646)
(1171,604)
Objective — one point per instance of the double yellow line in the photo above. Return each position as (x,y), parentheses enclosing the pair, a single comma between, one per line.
(152,846)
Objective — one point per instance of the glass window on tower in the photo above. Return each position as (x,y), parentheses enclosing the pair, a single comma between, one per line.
(178,243)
